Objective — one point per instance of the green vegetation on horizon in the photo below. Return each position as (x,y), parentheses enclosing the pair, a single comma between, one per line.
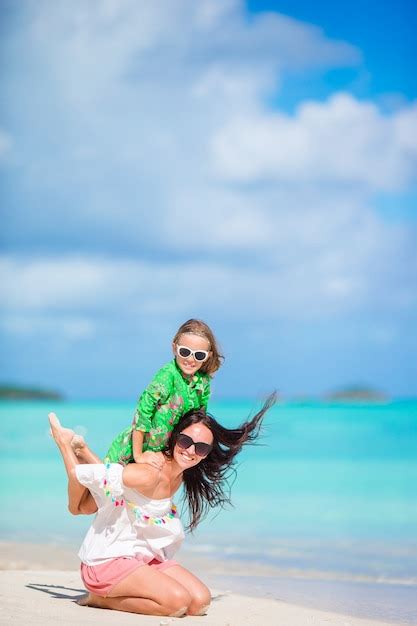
(15,392)
(356,393)
(353,393)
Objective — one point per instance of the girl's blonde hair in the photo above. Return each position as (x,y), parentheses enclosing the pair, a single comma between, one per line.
(200,328)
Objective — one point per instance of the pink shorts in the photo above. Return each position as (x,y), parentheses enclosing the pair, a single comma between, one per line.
(101,579)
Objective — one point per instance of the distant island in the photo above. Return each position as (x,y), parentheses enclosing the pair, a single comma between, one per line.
(15,392)
(357,393)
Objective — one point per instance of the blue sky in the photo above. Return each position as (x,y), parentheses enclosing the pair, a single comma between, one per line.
(251,164)
(384,32)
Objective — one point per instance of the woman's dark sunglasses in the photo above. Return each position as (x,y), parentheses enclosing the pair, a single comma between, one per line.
(201,448)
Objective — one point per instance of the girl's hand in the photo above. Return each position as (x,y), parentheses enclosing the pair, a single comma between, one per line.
(156,459)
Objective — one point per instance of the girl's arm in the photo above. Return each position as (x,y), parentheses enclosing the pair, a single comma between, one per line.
(206,393)
(151,458)
(156,393)
(137,444)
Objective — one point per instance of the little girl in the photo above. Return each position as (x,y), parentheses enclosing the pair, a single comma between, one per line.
(181,385)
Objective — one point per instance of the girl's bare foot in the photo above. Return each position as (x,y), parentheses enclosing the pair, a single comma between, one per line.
(82,451)
(78,444)
(59,433)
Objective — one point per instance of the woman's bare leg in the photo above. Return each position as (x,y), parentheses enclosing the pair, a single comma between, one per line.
(80,499)
(160,595)
(200,594)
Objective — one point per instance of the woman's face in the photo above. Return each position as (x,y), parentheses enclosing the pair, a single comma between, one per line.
(198,433)
(189,365)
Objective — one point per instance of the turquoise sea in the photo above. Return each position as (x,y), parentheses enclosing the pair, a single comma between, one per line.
(329,494)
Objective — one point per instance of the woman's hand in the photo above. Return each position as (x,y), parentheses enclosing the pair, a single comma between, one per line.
(156,459)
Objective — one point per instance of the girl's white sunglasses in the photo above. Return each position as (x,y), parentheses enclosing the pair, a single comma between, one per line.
(199,355)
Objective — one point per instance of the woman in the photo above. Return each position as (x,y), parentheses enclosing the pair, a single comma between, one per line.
(127,554)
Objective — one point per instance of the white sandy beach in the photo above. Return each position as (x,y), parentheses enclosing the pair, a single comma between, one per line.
(40,585)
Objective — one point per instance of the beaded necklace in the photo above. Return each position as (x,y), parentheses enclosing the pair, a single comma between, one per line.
(136,509)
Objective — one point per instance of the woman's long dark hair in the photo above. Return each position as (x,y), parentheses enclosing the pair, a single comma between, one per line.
(206,484)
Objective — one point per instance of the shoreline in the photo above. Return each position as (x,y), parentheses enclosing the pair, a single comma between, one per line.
(247,586)
(25,554)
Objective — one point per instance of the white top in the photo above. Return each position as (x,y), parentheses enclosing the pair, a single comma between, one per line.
(126,523)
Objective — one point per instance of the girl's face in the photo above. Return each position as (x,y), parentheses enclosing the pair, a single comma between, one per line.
(189,365)
(187,458)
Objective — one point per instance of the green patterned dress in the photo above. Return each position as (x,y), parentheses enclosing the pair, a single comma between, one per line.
(168,396)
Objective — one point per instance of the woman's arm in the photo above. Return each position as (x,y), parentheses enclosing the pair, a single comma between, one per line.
(87,505)
(143,477)
(80,500)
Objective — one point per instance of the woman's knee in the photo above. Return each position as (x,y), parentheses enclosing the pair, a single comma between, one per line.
(200,601)
(178,601)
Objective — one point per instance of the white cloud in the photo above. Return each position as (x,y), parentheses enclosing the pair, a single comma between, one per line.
(46,283)
(102,41)
(151,121)
(339,141)
(357,270)
(141,87)
(152,137)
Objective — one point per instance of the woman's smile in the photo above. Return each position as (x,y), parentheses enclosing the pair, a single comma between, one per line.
(186,456)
